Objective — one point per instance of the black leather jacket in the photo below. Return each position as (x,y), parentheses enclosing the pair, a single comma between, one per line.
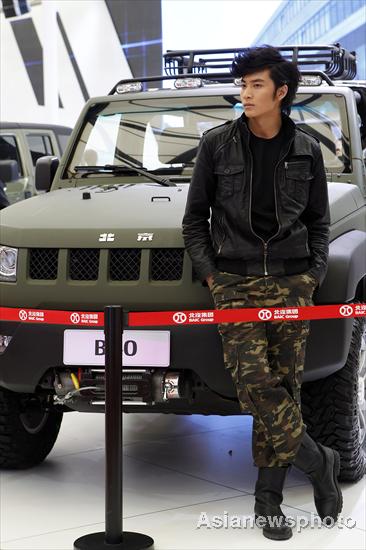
(222,182)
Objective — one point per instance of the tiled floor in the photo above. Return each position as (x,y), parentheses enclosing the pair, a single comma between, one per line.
(176,470)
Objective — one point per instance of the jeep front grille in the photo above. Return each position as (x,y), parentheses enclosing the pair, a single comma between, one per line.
(124,264)
(84,264)
(43,263)
(166,264)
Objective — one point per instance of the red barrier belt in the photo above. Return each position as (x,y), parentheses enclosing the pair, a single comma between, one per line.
(183,317)
(52,317)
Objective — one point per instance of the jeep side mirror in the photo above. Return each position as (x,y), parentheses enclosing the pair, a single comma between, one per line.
(9,170)
(45,170)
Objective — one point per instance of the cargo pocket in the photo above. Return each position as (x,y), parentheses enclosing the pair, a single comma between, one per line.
(246,402)
(229,180)
(297,179)
(231,358)
(231,363)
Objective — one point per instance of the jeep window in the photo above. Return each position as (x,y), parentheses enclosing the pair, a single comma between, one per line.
(63,140)
(39,146)
(324,116)
(162,134)
(9,150)
(157,134)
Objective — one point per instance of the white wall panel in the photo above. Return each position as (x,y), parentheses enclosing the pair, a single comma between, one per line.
(95,44)
(97,52)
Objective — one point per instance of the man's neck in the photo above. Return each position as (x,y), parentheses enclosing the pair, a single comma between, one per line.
(265,127)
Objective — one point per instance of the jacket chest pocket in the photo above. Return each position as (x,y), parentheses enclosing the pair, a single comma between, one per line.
(229,179)
(297,180)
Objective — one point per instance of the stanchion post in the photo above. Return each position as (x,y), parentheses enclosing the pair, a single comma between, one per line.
(113,330)
(114,538)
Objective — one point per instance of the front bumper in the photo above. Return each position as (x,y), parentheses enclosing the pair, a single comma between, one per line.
(36,348)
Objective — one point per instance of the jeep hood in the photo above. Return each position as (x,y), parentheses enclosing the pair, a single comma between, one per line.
(63,218)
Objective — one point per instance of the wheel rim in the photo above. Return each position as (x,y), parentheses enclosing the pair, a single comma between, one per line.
(362,389)
(33,416)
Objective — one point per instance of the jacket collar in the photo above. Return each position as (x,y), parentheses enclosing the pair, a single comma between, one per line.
(288,126)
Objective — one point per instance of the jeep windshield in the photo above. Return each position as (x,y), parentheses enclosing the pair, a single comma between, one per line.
(161,135)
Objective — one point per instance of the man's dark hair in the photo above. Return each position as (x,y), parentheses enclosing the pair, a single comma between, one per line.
(252,60)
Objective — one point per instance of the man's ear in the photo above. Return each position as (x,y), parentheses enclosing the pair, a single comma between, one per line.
(282,91)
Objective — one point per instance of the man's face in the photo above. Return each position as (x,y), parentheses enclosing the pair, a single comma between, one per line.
(258,94)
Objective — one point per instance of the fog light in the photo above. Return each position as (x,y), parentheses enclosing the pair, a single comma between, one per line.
(4,342)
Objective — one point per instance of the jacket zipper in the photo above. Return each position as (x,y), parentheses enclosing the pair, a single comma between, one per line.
(223,231)
(265,243)
(221,218)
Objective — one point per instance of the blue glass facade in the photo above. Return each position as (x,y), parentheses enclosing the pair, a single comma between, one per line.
(320,24)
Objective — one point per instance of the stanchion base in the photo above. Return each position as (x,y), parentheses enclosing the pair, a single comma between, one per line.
(131,541)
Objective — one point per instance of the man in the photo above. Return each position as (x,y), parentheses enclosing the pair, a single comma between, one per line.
(264,181)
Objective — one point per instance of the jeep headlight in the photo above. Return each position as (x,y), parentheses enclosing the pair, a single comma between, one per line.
(8,263)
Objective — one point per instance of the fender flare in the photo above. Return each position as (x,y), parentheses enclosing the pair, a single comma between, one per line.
(346,268)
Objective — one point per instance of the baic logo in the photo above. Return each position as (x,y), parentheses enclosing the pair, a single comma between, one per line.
(145,236)
(179,317)
(346,311)
(106,237)
(264,314)
(75,318)
(23,315)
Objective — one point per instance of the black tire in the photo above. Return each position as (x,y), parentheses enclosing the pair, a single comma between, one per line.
(333,408)
(28,429)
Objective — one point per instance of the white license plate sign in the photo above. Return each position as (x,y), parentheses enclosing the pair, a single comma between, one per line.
(141,348)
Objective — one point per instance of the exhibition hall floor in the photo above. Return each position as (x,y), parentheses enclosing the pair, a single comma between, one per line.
(178,471)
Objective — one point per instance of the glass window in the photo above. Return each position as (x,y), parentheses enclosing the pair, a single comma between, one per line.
(317,27)
(327,18)
(357,4)
(334,13)
(9,150)
(311,33)
(162,134)
(63,140)
(39,146)
(322,22)
(307,34)
(324,117)
(343,11)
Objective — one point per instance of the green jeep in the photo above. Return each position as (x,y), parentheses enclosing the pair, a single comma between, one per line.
(21,145)
(107,230)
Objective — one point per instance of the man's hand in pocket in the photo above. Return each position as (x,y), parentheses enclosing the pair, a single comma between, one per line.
(210,281)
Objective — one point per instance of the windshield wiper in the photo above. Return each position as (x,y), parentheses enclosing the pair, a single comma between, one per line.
(121,169)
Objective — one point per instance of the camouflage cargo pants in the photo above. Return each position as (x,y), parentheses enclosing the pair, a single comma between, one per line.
(266,359)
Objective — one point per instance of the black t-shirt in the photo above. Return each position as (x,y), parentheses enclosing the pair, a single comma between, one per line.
(266,154)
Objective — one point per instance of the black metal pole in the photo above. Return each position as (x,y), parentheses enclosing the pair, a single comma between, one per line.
(113,424)
(114,537)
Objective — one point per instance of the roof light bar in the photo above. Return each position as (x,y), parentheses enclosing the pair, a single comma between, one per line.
(129,87)
(188,83)
(311,80)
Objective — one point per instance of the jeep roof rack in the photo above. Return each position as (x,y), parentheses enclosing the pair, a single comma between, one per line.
(211,78)
(338,62)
